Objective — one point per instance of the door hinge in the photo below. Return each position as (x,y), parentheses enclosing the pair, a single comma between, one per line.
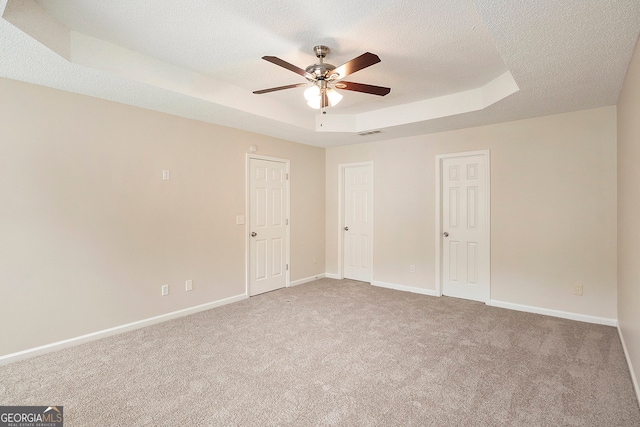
(287,177)
(287,267)
(286,221)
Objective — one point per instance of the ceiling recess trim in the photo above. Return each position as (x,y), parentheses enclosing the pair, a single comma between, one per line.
(114,60)
(443,106)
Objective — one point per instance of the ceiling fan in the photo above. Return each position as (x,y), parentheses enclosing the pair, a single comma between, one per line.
(326,78)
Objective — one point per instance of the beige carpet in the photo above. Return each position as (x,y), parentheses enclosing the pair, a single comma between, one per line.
(339,353)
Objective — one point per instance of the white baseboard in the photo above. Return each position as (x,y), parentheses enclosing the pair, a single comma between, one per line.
(307,280)
(555,313)
(332,276)
(634,379)
(25,354)
(422,291)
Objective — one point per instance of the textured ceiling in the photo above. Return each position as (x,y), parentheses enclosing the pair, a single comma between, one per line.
(450,63)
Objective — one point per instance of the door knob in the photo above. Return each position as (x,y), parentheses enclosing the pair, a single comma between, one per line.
(254,234)
(346,229)
(446,234)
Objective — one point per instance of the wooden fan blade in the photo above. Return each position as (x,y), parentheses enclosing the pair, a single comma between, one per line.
(361,87)
(365,60)
(288,66)
(273,89)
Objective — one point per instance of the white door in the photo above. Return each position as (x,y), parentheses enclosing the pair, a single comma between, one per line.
(358,222)
(464,232)
(268,207)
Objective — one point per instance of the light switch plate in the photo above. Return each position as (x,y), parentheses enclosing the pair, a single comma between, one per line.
(239,219)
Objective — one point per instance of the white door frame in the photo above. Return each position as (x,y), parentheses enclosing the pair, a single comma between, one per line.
(438,226)
(247,216)
(341,170)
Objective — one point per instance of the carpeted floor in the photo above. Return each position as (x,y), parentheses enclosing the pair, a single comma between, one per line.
(339,353)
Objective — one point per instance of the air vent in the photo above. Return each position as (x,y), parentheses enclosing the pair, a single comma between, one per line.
(371,132)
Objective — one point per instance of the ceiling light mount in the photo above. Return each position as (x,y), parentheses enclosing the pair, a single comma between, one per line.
(321,51)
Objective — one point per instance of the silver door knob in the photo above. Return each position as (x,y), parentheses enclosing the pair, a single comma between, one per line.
(346,229)
(254,234)
(446,234)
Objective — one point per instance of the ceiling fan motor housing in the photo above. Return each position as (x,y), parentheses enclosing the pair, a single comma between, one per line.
(321,70)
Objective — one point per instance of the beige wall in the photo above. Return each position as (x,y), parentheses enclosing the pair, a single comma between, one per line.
(89,231)
(629,213)
(553,208)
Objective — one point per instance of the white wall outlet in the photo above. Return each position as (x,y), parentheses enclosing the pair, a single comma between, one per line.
(165,175)
(577,290)
(165,290)
(315,259)
(412,268)
(188,285)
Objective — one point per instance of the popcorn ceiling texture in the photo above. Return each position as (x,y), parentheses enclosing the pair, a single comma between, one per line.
(563,55)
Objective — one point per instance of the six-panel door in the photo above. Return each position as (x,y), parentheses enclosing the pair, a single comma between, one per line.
(464,257)
(268,222)
(357,222)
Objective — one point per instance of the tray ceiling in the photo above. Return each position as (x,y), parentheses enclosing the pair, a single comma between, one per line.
(450,63)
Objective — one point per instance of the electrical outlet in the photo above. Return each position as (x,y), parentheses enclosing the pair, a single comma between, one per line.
(577,290)
(165,290)
(188,285)
(412,268)
(315,259)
